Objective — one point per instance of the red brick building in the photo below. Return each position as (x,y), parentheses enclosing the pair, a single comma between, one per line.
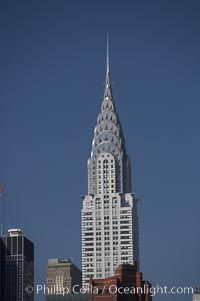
(126,285)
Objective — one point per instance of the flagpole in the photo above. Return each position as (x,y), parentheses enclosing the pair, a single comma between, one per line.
(1,229)
(1,190)
(1,221)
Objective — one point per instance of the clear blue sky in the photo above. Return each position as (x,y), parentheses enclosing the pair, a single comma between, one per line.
(52,69)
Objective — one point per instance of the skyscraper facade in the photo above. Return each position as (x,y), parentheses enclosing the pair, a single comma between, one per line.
(17,266)
(109,215)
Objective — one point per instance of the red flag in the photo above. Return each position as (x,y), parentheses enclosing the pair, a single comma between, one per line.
(2,188)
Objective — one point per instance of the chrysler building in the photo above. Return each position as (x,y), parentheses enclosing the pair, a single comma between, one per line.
(109,215)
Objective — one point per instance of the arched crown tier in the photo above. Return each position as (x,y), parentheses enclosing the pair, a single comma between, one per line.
(109,139)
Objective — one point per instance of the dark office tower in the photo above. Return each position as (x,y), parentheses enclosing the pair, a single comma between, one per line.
(2,269)
(17,266)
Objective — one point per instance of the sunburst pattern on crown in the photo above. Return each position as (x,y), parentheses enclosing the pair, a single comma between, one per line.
(109,138)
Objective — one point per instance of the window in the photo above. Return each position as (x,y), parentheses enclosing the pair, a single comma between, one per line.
(59,280)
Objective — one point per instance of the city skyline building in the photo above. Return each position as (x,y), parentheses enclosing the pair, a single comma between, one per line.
(62,274)
(17,266)
(110,234)
(196,295)
(2,269)
(126,278)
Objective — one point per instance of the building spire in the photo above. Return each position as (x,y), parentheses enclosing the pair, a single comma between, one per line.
(107,53)
(108,89)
